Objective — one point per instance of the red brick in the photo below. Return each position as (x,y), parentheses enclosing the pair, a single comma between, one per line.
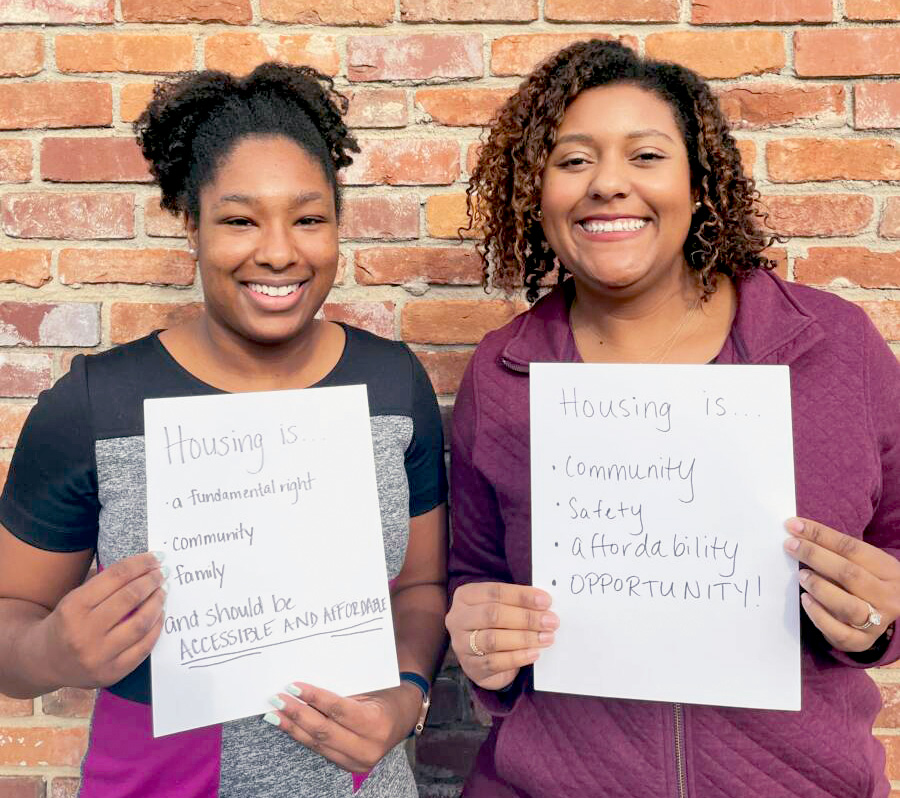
(403,162)
(415,57)
(847,53)
(449,751)
(33,746)
(802,159)
(446,698)
(376,317)
(890,219)
(240,53)
(150,266)
(819,214)
(395,216)
(64,788)
(886,316)
(235,12)
(4,473)
(21,787)
(23,375)
(747,149)
(611,11)
(445,214)
(132,320)
(889,716)
(891,745)
(399,265)
(159,222)
(720,54)
(462,107)
(520,53)
(12,417)
(49,324)
(15,161)
(468,10)
(876,105)
(15,707)
(453,321)
(445,370)
(68,702)
(780,256)
(93,160)
(377,108)
(21,54)
(768,105)
(29,267)
(328,12)
(133,99)
(57,12)
(851,264)
(55,105)
(124,52)
(872,10)
(472,156)
(706,12)
(68,216)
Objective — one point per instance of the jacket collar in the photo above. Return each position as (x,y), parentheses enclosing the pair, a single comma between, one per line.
(771,326)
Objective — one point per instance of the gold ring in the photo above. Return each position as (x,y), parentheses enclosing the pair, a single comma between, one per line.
(874,619)
(473,645)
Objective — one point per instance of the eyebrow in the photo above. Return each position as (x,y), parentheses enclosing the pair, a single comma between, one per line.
(247,199)
(584,138)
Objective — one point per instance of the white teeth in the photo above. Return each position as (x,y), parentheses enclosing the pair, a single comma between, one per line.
(273,290)
(613,225)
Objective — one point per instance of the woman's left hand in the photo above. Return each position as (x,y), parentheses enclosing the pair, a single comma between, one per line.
(354,733)
(845,580)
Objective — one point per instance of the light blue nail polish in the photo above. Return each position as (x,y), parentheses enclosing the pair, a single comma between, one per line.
(160,555)
(276,702)
(164,571)
(294,690)
(271,717)
(165,587)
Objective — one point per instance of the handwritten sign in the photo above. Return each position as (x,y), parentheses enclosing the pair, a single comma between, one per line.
(659,496)
(267,509)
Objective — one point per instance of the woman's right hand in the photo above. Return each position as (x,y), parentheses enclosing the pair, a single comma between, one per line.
(497,628)
(101,631)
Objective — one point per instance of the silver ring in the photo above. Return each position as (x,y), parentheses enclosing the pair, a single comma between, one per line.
(874,619)
(473,645)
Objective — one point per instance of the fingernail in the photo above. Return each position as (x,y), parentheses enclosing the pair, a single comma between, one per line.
(534,654)
(792,544)
(549,621)
(165,571)
(160,555)
(277,702)
(165,587)
(542,601)
(795,525)
(294,690)
(545,638)
(271,717)
(803,575)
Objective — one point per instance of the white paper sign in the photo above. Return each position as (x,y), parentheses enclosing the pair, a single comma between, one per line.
(659,496)
(267,509)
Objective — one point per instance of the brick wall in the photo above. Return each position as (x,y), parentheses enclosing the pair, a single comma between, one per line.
(87,259)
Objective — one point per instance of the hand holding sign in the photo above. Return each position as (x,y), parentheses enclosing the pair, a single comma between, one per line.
(509,625)
(846,580)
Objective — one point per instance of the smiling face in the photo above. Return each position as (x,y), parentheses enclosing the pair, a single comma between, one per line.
(267,241)
(616,192)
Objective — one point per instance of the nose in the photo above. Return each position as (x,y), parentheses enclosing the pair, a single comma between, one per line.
(276,247)
(609,179)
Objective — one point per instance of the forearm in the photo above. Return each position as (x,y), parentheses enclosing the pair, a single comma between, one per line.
(419,627)
(25,669)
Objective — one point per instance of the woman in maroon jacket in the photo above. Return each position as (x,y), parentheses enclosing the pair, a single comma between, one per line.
(621,174)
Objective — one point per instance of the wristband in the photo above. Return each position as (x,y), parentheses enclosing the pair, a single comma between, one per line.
(422,683)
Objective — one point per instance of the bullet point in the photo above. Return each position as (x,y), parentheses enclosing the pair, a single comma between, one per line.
(553,583)
(556,544)
(554,468)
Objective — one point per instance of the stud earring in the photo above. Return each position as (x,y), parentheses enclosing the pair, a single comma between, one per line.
(539,214)
(697,205)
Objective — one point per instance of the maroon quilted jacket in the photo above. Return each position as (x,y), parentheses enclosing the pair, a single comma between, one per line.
(846,413)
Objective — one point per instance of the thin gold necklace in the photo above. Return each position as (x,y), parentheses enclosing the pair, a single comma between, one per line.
(659,352)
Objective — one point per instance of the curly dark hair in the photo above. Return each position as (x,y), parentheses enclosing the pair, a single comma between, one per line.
(504,192)
(195,120)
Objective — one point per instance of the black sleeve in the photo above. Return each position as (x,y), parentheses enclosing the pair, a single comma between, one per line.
(425,469)
(50,498)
